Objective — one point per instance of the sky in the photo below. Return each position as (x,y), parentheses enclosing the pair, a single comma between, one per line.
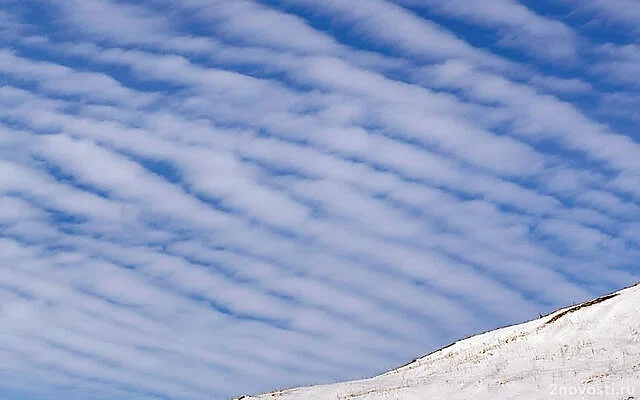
(201,199)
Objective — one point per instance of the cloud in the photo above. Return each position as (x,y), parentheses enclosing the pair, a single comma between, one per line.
(127,24)
(619,62)
(255,24)
(562,86)
(206,199)
(626,12)
(411,35)
(517,26)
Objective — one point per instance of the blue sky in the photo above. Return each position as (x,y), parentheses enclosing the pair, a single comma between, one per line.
(208,198)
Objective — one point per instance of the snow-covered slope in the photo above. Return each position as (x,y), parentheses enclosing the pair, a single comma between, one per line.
(591,350)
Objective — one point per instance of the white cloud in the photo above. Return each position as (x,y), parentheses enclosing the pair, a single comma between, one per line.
(410,35)
(256,24)
(626,12)
(127,24)
(517,26)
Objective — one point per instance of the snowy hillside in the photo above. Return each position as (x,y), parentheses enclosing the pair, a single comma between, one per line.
(591,350)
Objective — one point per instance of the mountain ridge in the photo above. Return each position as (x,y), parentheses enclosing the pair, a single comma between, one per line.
(592,346)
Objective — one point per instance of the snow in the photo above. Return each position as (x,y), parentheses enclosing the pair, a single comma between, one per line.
(590,350)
